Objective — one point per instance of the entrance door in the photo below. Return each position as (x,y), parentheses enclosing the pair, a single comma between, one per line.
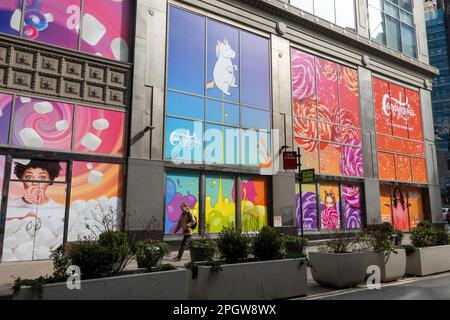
(35,209)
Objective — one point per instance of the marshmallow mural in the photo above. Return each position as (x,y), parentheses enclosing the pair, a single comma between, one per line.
(5,115)
(96,199)
(10,16)
(42,124)
(99,131)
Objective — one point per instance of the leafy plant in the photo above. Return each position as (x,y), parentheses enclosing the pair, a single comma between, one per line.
(428,235)
(117,243)
(36,285)
(409,249)
(149,253)
(341,242)
(204,247)
(383,236)
(268,245)
(294,246)
(94,260)
(233,245)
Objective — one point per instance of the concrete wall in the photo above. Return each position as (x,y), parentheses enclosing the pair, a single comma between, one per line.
(285,27)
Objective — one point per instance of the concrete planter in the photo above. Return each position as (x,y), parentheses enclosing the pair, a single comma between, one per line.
(426,261)
(166,285)
(392,265)
(251,281)
(339,270)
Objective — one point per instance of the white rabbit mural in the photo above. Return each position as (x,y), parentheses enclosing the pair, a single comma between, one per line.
(224,69)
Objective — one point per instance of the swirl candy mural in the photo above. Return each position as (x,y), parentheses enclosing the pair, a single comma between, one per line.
(326,115)
(2,173)
(42,124)
(95,199)
(401,149)
(220,202)
(330,206)
(309,205)
(5,116)
(10,16)
(180,188)
(351,195)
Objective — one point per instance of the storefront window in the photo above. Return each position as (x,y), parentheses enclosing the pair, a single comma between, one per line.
(36,209)
(220,202)
(330,206)
(309,205)
(253,204)
(401,150)
(218,97)
(340,12)
(326,115)
(392,24)
(352,214)
(95,200)
(5,117)
(2,174)
(104,24)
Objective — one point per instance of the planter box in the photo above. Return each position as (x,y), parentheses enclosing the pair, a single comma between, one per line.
(339,270)
(426,261)
(392,266)
(251,281)
(166,285)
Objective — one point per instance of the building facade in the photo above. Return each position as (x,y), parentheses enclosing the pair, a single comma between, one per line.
(437,21)
(114,113)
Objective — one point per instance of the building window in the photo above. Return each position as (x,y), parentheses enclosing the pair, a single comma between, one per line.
(326,115)
(392,23)
(340,12)
(400,142)
(329,206)
(104,24)
(219,96)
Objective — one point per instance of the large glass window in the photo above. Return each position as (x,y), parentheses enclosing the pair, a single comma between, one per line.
(392,23)
(218,99)
(326,115)
(401,149)
(104,24)
(340,12)
(5,116)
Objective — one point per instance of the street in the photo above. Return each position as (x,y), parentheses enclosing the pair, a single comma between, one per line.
(435,287)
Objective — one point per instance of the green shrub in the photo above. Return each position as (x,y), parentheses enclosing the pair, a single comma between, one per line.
(428,235)
(341,242)
(268,245)
(382,237)
(94,260)
(117,243)
(207,246)
(294,246)
(233,245)
(150,253)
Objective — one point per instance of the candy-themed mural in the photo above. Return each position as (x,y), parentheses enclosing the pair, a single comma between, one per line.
(180,188)
(2,174)
(5,116)
(10,16)
(95,200)
(415,207)
(104,24)
(401,155)
(330,212)
(229,69)
(253,204)
(42,124)
(99,131)
(36,209)
(326,115)
(220,202)
(309,205)
(352,212)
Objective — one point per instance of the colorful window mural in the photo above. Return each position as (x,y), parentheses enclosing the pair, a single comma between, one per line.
(309,205)
(180,188)
(253,204)
(42,124)
(326,115)
(220,202)
(95,200)
(401,149)
(330,213)
(218,98)
(36,209)
(99,131)
(105,24)
(5,116)
(2,173)
(10,16)
(332,209)
(401,206)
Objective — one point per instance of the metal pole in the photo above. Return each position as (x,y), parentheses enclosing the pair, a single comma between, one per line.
(299,164)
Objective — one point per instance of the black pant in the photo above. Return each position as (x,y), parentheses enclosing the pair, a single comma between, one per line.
(184,244)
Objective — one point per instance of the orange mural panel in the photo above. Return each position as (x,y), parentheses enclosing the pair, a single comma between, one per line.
(385,204)
(309,150)
(415,207)
(349,97)
(403,168)
(327,74)
(330,158)
(415,116)
(419,170)
(398,108)
(386,166)
(383,120)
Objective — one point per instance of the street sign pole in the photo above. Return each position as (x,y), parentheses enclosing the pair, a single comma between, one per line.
(299,164)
